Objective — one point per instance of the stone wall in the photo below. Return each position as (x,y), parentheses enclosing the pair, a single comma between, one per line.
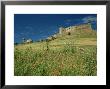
(72,28)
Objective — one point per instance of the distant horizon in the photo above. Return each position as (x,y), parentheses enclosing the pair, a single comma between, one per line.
(41,26)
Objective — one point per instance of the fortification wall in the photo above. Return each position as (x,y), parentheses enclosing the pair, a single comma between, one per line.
(72,28)
(84,27)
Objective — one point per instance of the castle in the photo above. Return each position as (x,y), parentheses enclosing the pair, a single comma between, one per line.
(70,29)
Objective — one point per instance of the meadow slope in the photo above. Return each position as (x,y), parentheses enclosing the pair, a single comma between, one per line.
(67,55)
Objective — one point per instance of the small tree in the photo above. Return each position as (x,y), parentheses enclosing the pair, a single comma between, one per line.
(15,43)
(47,44)
(69,33)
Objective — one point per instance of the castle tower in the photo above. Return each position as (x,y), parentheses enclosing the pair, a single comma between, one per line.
(89,24)
(61,30)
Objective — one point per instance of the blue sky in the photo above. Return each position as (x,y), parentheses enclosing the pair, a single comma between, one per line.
(40,26)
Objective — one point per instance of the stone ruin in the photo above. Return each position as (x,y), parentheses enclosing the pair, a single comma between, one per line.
(27,41)
(70,29)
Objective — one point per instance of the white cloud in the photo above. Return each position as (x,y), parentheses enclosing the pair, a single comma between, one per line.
(89,19)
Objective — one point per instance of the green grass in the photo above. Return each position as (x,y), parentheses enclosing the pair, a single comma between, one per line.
(70,60)
(67,56)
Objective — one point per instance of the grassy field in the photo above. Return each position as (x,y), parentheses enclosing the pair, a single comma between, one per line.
(67,55)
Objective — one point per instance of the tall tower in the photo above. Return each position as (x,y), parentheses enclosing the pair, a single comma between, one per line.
(89,25)
(60,30)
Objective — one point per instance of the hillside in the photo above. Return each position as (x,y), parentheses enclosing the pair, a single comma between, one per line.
(67,55)
(78,37)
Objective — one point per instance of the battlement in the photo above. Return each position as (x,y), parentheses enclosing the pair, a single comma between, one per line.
(70,29)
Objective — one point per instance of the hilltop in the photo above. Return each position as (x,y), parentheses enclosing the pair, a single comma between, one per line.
(82,30)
